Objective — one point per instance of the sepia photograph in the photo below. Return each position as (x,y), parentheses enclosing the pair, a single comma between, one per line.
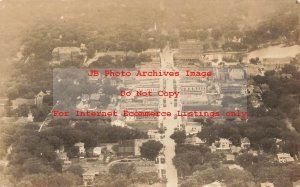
(150,93)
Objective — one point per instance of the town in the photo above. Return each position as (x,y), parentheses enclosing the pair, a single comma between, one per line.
(193,94)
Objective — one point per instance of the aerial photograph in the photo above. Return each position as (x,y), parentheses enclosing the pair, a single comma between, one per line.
(149,93)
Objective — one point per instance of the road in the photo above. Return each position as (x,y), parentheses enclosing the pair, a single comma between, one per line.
(168,104)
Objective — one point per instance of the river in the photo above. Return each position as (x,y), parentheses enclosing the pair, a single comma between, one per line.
(276,51)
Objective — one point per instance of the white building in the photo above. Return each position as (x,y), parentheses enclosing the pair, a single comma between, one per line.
(97,151)
(284,158)
(80,145)
(215,184)
(223,144)
(118,123)
(266,184)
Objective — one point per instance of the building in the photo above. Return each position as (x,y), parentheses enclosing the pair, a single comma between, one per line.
(97,151)
(230,157)
(194,140)
(62,156)
(194,100)
(236,74)
(160,163)
(232,89)
(275,63)
(192,87)
(266,184)
(88,178)
(137,107)
(296,184)
(192,128)
(245,143)
(234,166)
(252,152)
(131,147)
(235,149)
(284,158)
(66,164)
(155,135)
(189,50)
(39,98)
(63,54)
(215,184)
(118,123)
(223,144)
(81,148)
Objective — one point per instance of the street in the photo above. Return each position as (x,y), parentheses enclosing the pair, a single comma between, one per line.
(169,104)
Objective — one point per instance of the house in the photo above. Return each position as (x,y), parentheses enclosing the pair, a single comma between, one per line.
(223,144)
(60,150)
(279,144)
(235,149)
(296,184)
(160,163)
(192,128)
(284,158)
(118,123)
(109,147)
(235,166)
(245,143)
(95,97)
(155,135)
(66,164)
(266,184)
(88,178)
(252,152)
(39,98)
(97,151)
(63,54)
(230,157)
(194,140)
(215,184)
(236,74)
(131,147)
(81,148)
(62,156)
(213,147)
(189,50)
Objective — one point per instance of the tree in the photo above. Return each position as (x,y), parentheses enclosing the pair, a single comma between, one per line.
(66,180)
(245,160)
(151,149)
(12,93)
(22,110)
(216,34)
(73,151)
(270,98)
(231,177)
(179,137)
(75,169)
(146,178)
(122,169)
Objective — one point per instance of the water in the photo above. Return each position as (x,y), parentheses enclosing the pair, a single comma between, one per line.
(276,51)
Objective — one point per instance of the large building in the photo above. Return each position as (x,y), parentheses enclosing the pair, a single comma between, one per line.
(131,147)
(193,87)
(189,50)
(275,63)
